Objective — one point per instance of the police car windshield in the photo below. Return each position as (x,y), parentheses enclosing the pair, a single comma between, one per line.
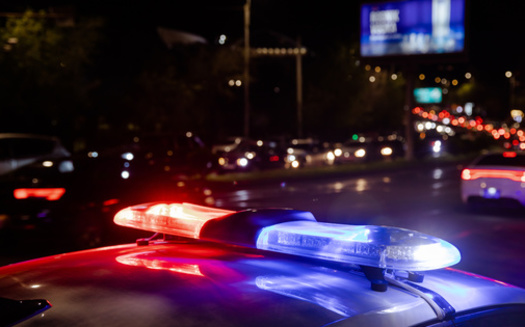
(500,160)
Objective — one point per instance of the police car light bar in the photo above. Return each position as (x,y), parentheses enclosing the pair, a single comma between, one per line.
(297,233)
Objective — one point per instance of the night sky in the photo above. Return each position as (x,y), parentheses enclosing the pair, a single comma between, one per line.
(313,21)
(496,27)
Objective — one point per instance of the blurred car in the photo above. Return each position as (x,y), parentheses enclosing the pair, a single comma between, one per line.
(168,155)
(264,267)
(384,149)
(497,178)
(308,152)
(366,149)
(350,151)
(69,202)
(18,150)
(251,155)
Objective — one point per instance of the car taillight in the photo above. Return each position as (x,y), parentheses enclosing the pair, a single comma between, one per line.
(465,175)
(472,174)
(50,194)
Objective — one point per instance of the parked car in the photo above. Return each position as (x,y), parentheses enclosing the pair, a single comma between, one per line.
(264,267)
(18,150)
(70,201)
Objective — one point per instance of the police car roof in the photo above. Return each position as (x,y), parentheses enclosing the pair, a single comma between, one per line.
(203,283)
(251,268)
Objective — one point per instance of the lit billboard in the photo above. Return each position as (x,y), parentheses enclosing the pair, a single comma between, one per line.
(428,95)
(412,27)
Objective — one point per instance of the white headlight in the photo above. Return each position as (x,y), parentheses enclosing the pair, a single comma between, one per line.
(360,153)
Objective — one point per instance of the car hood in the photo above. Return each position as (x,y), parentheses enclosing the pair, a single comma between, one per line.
(198,284)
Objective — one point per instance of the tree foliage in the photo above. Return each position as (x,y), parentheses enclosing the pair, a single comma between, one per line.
(341,99)
(51,82)
(44,82)
(185,88)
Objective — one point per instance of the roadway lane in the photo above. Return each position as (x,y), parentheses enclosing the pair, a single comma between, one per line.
(425,198)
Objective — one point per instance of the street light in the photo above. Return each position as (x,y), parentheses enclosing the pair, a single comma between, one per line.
(298,51)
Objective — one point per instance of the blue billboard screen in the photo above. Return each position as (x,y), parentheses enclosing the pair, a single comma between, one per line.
(428,95)
(412,27)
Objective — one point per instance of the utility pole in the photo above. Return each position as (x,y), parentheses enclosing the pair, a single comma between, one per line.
(247,6)
(410,70)
(299,78)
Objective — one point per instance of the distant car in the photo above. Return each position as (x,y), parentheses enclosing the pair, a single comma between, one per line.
(264,267)
(385,150)
(18,150)
(497,178)
(308,152)
(251,155)
(350,151)
(366,149)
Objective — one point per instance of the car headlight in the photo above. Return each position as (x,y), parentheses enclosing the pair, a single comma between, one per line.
(386,151)
(66,166)
(360,153)
(242,162)
(127,156)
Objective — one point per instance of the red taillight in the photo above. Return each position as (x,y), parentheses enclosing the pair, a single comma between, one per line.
(465,175)
(110,202)
(510,154)
(471,174)
(274,158)
(50,194)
